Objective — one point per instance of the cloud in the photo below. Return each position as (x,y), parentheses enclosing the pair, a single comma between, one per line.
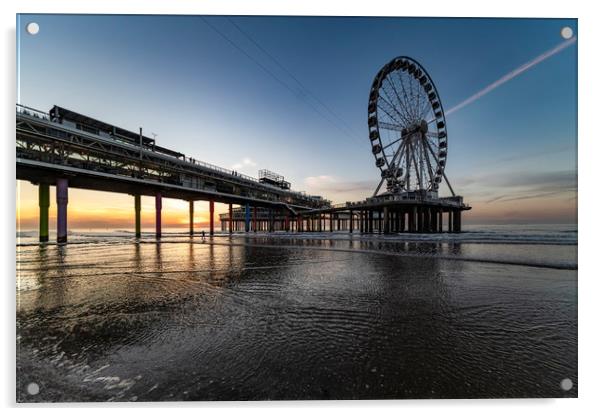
(339,189)
(524,156)
(245,163)
(520,185)
(319,181)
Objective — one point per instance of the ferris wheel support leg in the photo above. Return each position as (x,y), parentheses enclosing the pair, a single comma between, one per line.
(449,184)
(378,187)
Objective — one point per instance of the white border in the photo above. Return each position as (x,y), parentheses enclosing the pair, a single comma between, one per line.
(590,153)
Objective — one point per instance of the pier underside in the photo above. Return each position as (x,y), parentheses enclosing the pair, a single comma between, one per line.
(386,217)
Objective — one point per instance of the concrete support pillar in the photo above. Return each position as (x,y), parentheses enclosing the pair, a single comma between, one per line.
(158,207)
(450,217)
(254,219)
(386,220)
(230,218)
(137,209)
(62,198)
(440,213)
(191,217)
(211,213)
(247,218)
(271,229)
(412,214)
(458,221)
(402,221)
(351,221)
(44,203)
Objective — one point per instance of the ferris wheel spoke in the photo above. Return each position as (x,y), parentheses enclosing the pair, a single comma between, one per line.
(389,126)
(388,100)
(397,153)
(398,98)
(405,94)
(390,111)
(392,143)
(425,109)
(418,95)
(414,93)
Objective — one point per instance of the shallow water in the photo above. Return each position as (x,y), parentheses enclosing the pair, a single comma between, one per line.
(252,318)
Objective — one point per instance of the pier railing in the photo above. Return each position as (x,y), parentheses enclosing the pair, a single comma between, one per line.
(22,110)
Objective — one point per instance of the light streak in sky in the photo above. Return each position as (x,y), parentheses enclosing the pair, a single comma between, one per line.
(513,74)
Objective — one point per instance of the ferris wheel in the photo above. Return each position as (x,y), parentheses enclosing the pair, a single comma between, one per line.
(407,128)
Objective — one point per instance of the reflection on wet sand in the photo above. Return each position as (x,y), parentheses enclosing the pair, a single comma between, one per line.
(253,318)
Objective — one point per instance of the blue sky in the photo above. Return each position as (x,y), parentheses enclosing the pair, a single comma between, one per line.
(512,152)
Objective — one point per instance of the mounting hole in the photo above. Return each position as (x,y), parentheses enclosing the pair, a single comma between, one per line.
(566,32)
(32,28)
(566,384)
(33,389)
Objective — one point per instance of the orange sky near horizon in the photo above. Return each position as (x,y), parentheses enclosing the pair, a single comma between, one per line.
(98,210)
(105,210)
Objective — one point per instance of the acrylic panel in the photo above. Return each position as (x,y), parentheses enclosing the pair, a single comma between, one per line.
(295,208)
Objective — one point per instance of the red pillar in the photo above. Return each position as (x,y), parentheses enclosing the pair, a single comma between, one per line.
(211,214)
(158,206)
(191,216)
(61,202)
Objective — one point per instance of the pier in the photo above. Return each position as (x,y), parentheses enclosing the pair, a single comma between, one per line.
(66,149)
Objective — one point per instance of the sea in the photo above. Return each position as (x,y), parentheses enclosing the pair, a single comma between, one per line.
(488,313)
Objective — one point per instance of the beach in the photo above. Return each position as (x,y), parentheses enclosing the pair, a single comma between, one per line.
(490,313)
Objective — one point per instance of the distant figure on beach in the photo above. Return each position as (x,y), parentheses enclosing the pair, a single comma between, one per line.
(203,234)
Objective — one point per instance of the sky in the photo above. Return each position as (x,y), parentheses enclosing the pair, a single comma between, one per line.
(290,94)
